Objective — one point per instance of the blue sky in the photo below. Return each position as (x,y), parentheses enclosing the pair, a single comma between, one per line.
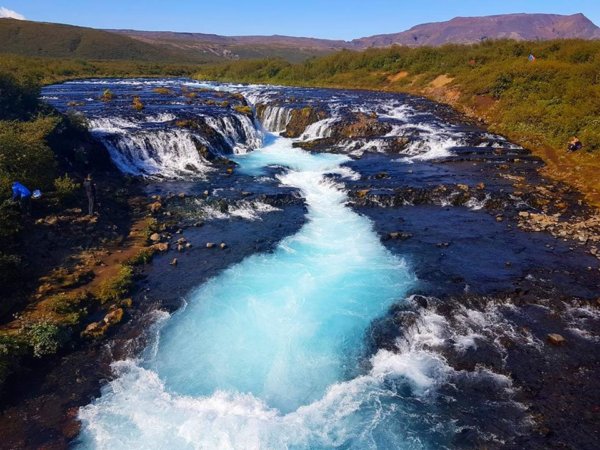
(335,19)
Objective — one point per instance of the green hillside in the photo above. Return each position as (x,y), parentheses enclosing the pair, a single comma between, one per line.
(65,41)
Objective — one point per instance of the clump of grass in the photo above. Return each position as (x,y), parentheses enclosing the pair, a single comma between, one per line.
(137,103)
(107,96)
(243,109)
(144,256)
(163,91)
(117,287)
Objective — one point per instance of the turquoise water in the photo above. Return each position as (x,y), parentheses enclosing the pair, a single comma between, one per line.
(270,353)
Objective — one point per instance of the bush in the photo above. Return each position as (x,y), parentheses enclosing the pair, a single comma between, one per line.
(25,155)
(44,337)
(137,103)
(11,349)
(66,188)
(107,95)
(18,99)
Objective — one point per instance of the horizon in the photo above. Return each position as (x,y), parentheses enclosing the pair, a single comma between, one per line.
(276,19)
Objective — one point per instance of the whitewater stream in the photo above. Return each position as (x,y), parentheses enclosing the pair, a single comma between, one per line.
(368,299)
(266,355)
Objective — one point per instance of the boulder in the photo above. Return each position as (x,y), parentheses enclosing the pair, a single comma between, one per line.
(155,237)
(300,119)
(155,207)
(556,339)
(223,245)
(210,245)
(161,247)
(113,317)
(174,262)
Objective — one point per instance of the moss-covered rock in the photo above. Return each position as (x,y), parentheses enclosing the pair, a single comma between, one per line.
(302,118)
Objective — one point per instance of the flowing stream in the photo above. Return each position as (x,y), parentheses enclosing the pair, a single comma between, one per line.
(268,354)
(328,340)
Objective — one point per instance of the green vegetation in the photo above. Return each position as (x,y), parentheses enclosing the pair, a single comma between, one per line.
(548,100)
(66,188)
(538,104)
(117,287)
(137,103)
(30,72)
(243,109)
(44,337)
(66,41)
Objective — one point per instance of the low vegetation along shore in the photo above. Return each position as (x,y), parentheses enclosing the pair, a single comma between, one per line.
(539,102)
(65,276)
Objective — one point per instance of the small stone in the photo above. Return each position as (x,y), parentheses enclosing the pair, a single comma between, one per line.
(223,245)
(181,195)
(210,245)
(499,218)
(443,244)
(174,262)
(180,247)
(401,235)
(155,207)
(230,170)
(188,245)
(155,237)
(206,193)
(113,317)
(94,330)
(556,339)
(480,186)
(362,193)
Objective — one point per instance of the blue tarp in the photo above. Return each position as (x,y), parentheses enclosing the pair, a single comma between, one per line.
(19,191)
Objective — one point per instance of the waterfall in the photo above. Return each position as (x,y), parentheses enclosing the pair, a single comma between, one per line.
(275,118)
(319,130)
(163,153)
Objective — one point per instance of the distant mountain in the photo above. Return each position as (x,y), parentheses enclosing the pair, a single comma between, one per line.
(469,30)
(238,47)
(45,39)
(65,41)
(460,30)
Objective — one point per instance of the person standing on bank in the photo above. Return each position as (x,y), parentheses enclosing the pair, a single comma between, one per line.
(90,192)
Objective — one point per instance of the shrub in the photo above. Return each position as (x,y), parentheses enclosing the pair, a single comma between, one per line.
(163,91)
(107,96)
(11,349)
(44,337)
(18,99)
(66,188)
(137,103)
(25,155)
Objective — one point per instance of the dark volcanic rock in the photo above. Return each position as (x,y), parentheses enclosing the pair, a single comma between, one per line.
(302,118)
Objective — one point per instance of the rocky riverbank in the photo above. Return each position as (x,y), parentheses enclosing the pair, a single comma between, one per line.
(507,260)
